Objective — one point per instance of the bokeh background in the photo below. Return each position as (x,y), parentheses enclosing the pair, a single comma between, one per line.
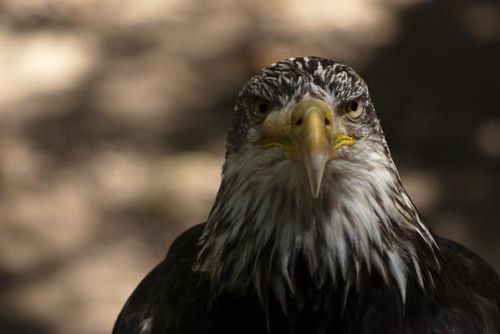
(113,116)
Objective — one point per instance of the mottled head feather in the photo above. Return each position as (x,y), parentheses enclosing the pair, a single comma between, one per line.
(287,81)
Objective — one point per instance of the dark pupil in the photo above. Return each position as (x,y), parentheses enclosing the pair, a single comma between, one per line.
(354,106)
(263,108)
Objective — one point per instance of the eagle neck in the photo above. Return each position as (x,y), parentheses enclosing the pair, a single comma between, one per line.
(263,229)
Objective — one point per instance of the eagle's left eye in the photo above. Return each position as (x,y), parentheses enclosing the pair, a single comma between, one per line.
(354,109)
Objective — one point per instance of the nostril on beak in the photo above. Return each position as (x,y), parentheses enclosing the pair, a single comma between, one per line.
(327,121)
(299,122)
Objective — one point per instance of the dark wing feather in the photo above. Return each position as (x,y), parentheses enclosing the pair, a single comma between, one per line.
(469,300)
(162,300)
(477,274)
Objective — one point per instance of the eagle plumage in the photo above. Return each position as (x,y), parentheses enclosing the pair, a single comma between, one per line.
(311,230)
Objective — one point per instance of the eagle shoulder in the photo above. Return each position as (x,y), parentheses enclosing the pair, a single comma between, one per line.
(473,271)
(469,298)
(153,307)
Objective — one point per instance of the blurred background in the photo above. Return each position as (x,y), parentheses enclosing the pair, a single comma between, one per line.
(113,116)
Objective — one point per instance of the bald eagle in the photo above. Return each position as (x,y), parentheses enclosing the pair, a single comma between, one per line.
(311,230)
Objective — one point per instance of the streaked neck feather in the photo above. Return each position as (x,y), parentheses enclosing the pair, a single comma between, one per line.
(263,224)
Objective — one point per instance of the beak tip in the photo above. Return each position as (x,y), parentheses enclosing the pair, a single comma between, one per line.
(315,167)
(315,186)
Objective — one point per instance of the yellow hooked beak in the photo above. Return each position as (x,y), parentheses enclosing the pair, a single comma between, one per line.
(309,135)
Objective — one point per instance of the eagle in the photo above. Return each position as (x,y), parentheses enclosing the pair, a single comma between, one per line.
(312,230)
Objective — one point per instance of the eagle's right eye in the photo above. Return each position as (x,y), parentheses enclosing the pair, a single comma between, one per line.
(263,107)
(260,109)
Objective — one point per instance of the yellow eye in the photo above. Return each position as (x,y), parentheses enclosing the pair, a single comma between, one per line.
(354,109)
